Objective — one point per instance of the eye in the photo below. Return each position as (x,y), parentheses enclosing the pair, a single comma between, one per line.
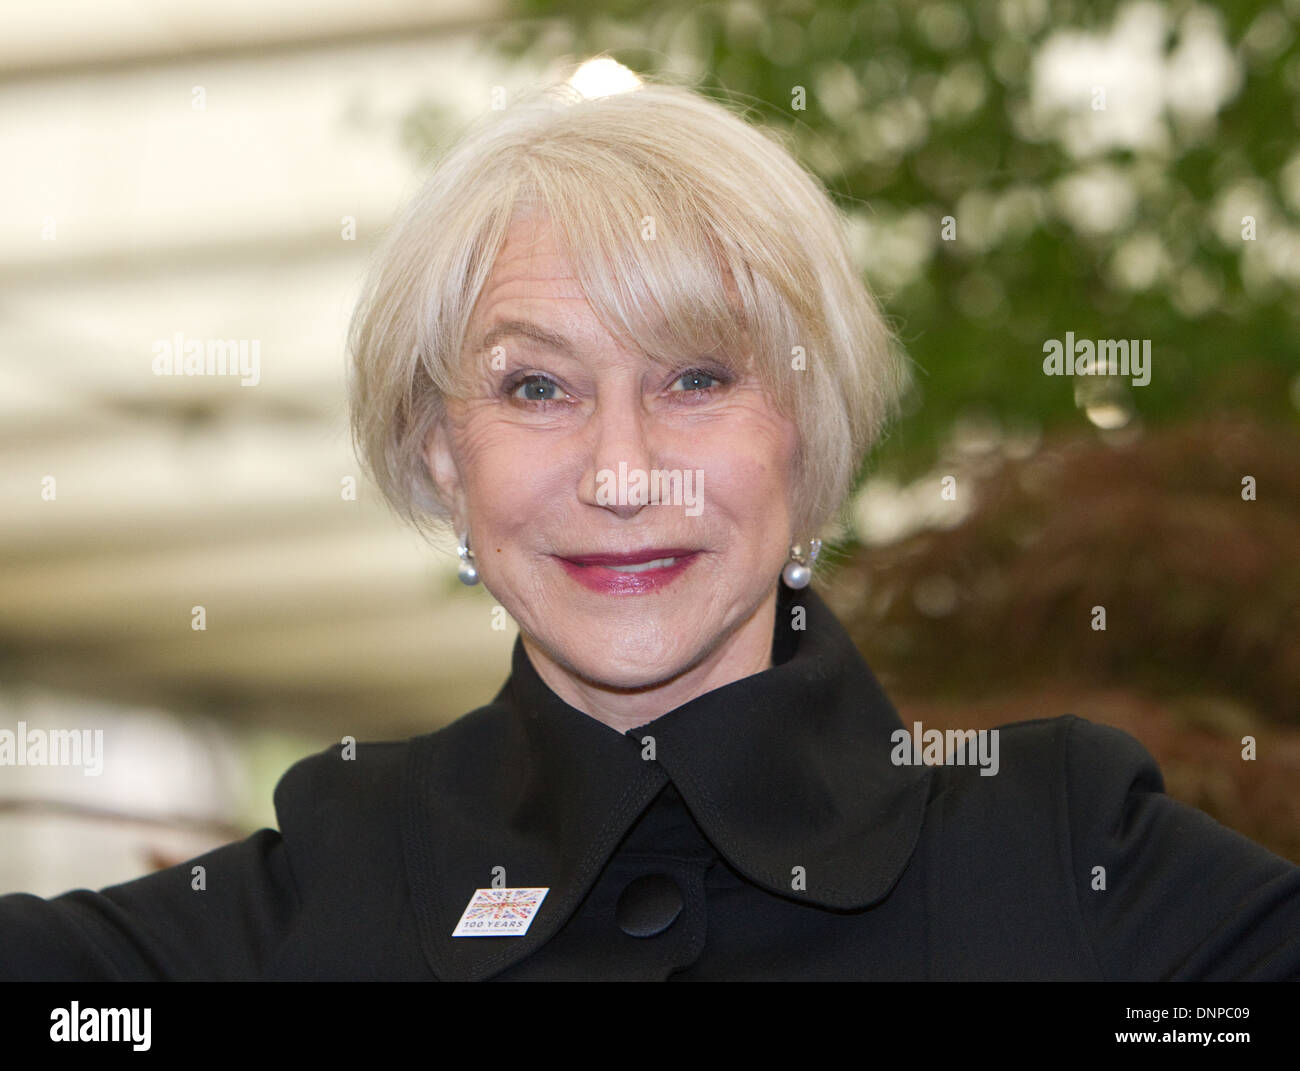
(534,386)
(699,380)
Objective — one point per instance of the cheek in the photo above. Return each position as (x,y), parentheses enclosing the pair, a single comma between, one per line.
(510,472)
(751,464)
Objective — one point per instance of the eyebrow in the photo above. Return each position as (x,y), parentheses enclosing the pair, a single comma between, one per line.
(525,329)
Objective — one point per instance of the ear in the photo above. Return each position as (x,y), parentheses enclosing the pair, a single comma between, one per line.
(441,463)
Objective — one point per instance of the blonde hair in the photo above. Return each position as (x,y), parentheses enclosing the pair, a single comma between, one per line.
(748,263)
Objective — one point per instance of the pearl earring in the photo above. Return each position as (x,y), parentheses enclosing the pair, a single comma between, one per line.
(798,570)
(467,572)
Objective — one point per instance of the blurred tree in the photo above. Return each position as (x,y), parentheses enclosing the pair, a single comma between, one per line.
(1098,161)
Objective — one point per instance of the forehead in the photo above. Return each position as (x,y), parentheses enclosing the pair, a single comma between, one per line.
(599,283)
(530,262)
(532,293)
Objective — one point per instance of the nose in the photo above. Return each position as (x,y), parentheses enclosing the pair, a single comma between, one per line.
(618,434)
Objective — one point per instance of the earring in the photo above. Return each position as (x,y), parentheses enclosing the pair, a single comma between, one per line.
(467,572)
(798,570)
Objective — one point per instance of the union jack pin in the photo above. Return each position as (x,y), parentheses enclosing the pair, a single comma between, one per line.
(499,912)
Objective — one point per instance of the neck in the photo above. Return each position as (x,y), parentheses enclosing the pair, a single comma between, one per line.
(746,651)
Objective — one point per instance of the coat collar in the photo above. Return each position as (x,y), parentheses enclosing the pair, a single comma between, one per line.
(786,768)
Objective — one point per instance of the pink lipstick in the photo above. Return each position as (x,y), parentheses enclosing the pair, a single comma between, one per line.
(634,573)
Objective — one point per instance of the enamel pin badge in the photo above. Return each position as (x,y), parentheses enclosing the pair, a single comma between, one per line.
(499,912)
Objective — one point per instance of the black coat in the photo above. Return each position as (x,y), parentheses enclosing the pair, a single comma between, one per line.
(771,836)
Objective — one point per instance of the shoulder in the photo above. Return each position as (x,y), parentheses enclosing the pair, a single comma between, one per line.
(357,774)
(346,768)
(1059,793)
(1069,759)
(358,792)
(349,783)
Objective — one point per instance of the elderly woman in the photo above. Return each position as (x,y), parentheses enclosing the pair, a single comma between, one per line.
(619,347)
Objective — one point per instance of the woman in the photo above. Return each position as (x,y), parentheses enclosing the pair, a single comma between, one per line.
(619,347)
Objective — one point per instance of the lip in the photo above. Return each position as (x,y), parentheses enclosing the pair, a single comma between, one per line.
(635,557)
(592,570)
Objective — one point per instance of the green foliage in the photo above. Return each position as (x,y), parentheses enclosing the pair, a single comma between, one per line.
(920,110)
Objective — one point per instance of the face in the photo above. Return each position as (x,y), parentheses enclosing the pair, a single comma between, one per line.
(530,459)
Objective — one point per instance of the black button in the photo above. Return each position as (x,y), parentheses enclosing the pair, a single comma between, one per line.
(649,905)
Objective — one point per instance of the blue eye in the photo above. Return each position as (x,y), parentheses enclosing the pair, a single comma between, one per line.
(534,386)
(540,390)
(697,374)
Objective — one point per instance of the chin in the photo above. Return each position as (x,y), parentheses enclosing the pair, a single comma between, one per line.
(630,663)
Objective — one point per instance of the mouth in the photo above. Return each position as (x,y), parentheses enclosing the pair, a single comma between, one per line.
(634,561)
(658,563)
(632,573)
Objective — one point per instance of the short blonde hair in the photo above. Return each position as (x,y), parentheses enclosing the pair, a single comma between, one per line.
(748,263)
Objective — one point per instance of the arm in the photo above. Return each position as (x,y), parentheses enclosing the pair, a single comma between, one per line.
(1185,898)
(159,927)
